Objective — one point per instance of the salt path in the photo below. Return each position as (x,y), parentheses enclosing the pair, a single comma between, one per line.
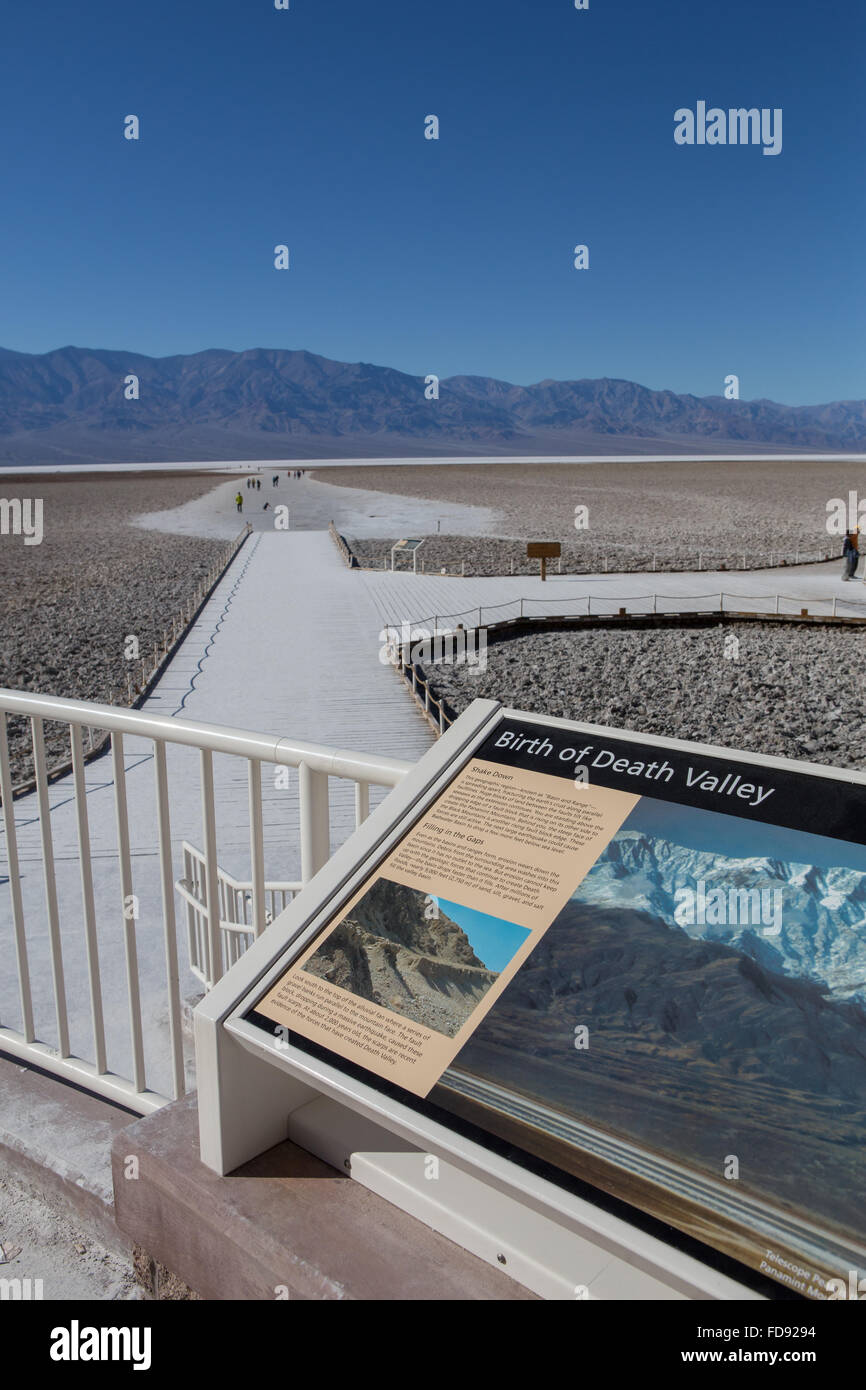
(288,645)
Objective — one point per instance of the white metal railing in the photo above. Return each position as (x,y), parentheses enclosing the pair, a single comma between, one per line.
(142,671)
(599,561)
(238,927)
(42,931)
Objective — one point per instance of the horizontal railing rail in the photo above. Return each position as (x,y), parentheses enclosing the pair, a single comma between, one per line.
(238,927)
(220,903)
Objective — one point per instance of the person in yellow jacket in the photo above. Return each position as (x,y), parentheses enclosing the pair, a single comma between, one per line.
(240,502)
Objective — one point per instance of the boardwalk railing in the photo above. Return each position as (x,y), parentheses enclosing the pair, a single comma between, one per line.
(238,927)
(214,907)
(142,672)
(343,546)
(612,605)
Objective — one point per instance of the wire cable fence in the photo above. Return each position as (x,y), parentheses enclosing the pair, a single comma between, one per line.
(620,605)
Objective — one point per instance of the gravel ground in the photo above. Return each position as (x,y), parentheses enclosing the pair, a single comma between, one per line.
(40,1242)
(69,604)
(635,510)
(791,691)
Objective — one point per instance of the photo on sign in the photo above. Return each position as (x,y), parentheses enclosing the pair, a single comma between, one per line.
(428,959)
(718,968)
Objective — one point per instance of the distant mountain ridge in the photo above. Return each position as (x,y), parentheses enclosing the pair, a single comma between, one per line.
(822,919)
(274,403)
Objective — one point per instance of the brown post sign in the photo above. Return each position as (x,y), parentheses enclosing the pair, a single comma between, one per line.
(543,551)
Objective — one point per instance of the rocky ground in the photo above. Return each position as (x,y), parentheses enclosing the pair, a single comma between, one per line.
(766,511)
(69,604)
(791,691)
(60,1257)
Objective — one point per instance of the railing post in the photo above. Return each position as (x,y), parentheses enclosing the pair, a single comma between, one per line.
(211,878)
(129,918)
(169,922)
(257,850)
(362,803)
(87,899)
(50,880)
(315,821)
(15,886)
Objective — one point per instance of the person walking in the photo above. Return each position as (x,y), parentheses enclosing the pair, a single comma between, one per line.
(850,555)
(240,501)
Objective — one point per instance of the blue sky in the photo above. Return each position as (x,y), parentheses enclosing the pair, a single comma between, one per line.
(494,940)
(306,127)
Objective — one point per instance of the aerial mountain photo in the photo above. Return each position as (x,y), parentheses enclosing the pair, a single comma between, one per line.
(753,1031)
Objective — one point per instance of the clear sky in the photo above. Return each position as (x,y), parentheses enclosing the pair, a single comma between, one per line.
(306,127)
(493,939)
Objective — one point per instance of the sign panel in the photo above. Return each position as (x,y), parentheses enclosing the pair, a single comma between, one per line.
(543,550)
(407,970)
(641,962)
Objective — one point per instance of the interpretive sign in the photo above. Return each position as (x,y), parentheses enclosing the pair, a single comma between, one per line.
(640,961)
(543,550)
(408,546)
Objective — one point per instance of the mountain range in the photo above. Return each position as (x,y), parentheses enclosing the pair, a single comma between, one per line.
(69,405)
(822,912)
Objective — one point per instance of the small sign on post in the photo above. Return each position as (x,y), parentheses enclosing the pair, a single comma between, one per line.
(543,551)
(411,547)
